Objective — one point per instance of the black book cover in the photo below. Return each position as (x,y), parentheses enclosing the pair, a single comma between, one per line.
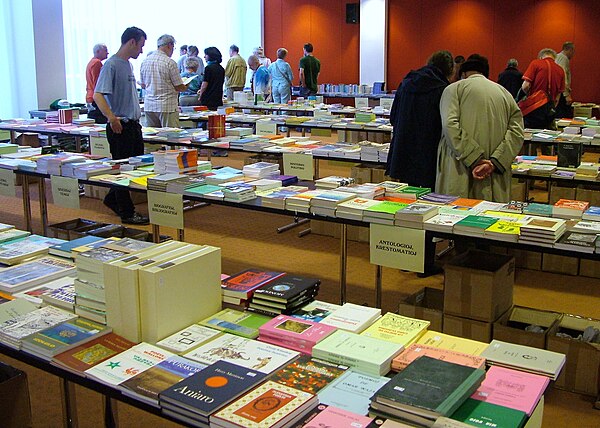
(569,155)
(286,288)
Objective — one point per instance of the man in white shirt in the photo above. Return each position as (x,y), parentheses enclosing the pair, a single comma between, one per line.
(563,109)
(162,82)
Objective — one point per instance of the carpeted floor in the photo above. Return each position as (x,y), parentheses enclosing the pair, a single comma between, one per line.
(249,239)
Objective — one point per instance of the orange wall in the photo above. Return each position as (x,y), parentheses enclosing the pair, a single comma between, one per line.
(291,24)
(499,29)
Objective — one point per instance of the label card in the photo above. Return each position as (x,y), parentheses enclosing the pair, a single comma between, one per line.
(65,191)
(299,164)
(397,247)
(386,102)
(7,182)
(99,146)
(165,209)
(266,127)
(361,102)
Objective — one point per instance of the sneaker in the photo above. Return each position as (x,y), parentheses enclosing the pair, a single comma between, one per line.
(136,218)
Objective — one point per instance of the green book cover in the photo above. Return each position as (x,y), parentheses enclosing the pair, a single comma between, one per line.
(388,207)
(476,222)
(482,414)
(419,191)
(244,324)
(430,387)
(203,189)
(533,208)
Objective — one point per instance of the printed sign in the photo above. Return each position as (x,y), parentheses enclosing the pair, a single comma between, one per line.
(7,182)
(165,209)
(65,191)
(386,103)
(266,127)
(397,247)
(99,146)
(360,102)
(299,164)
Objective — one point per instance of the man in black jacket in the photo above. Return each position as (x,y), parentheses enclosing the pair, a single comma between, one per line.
(511,78)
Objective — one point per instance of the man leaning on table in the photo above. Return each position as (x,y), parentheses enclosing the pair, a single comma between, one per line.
(162,82)
(117,98)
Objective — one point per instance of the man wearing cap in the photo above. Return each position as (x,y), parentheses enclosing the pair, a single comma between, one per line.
(482,132)
(161,79)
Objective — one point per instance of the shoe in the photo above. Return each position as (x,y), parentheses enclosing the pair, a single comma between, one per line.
(434,270)
(112,207)
(136,218)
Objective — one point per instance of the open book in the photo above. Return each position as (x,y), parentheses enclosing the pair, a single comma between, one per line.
(188,80)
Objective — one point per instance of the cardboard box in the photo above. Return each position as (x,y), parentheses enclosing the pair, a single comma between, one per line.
(589,268)
(426,304)
(589,194)
(560,191)
(378,175)
(525,259)
(15,406)
(518,189)
(479,285)
(510,327)
(361,173)
(560,264)
(580,373)
(467,328)
(28,139)
(72,229)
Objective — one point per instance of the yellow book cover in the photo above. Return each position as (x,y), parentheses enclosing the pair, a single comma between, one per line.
(397,328)
(505,216)
(453,343)
(179,292)
(506,227)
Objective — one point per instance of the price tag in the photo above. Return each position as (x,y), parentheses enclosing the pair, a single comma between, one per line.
(7,182)
(165,209)
(299,164)
(99,147)
(397,247)
(65,191)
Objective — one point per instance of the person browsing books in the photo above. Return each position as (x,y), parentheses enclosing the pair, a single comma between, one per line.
(92,71)
(189,97)
(281,78)
(211,89)
(262,79)
(235,72)
(310,67)
(117,98)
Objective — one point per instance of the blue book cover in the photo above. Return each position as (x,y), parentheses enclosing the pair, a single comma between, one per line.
(67,246)
(352,391)
(207,391)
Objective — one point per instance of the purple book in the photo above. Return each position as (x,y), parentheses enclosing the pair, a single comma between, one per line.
(438,198)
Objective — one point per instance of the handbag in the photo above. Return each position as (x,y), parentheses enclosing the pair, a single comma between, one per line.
(539,99)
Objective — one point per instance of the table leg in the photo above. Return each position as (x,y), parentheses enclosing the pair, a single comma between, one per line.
(13,137)
(69,404)
(43,205)
(26,203)
(156,233)
(378,287)
(316,169)
(343,261)
(78,144)
(180,235)
(110,412)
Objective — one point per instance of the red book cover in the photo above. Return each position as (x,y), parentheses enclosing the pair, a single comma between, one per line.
(244,283)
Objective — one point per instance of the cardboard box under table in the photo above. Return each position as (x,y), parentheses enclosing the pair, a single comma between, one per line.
(479,285)
(426,304)
(72,229)
(15,406)
(560,264)
(580,373)
(510,327)
(467,328)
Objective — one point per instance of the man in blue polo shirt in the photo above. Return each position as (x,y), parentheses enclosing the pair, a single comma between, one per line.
(117,98)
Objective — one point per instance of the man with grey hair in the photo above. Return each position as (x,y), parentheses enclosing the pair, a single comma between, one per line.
(542,77)
(92,71)
(564,60)
(162,82)
(511,78)
(235,72)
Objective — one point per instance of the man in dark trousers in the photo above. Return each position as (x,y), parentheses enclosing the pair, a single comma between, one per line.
(415,116)
(117,98)
(511,78)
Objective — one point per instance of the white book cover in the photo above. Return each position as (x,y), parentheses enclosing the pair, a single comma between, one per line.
(188,338)
(15,308)
(127,364)
(442,221)
(351,317)
(356,204)
(33,322)
(252,354)
(34,295)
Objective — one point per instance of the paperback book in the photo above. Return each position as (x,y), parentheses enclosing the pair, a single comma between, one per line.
(187,339)
(308,374)
(397,328)
(243,284)
(245,324)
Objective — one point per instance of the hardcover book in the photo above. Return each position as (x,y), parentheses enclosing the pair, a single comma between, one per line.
(397,328)
(308,374)
(187,339)
(430,388)
(245,324)
(209,390)
(515,389)
(287,288)
(316,310)
(352,391)
(248,353)
(243,284)
(416,350)
(268,406)
(481,414)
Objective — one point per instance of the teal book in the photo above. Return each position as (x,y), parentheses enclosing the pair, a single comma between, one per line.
(482,414)
(430,388)
(475,222)
(533,208)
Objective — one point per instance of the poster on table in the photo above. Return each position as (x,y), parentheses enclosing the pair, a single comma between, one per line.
(397,247)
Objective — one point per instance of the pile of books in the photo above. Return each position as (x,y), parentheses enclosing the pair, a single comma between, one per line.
(175,161)
(284,295)
(542,231)
(325,203)
(365,190)
(161,182)
(354,208)
(239,288)
(333,181)
(293,333)
(185,182)
(569,209)
(261,170)
(238,192)
(27,275)
(276,198)
(384,212)
(414,215)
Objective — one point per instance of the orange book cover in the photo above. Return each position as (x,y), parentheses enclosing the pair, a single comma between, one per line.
(466,202)
(394,199)
(416,350)
(265,405)
(547,157)
(249,280)
(570,203)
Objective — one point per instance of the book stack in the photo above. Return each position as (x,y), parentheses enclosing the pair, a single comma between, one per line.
(591,214)
(160,182)
(365,190)
(175,161)
(62,297)
(294,333)
(238,192)
(12,234)
(533,208)
(62,337)
(147,385)
(384,212)
(14,252)
(569,209)
(503,230)
(13,331)
(276,198)
(525,358)
(425,390)
(29,274)
(244,324)
(220,383)
(397,328)
(326,202)
(474,225)
(261,170)
(414,215)
(84,172)
(576,241)
(438,198)
(316,311)
(289,405)
(284,295)
(416,350)
(34,295)
(343,347)
(586,226)
(184,183)
(238,289)
(265,184)
(353,318)
(542,231)
(333,182)
(301,201)
(354,208)
(69,249)
(542,170)
(413,192)
(587,171)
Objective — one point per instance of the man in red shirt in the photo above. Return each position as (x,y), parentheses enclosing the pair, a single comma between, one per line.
(543,74)
(92,71)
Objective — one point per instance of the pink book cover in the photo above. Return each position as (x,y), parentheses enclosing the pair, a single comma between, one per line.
(416,350)
(335,417)
(289,344)
(296,329)
(512,388)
